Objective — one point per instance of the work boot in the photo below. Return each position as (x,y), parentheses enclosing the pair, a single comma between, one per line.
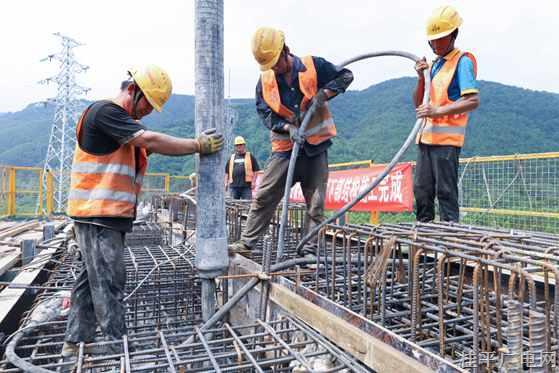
(69,355)
(70,349)
(241,248)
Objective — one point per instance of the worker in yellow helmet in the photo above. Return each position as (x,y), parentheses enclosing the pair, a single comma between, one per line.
(240,171)
(109,163)
(454,93)
(288,85)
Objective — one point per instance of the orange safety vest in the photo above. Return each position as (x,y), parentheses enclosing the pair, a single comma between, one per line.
(248,168)
(321,126)
(448,129)
(106,185)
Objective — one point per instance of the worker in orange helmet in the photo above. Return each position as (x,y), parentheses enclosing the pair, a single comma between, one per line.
(109,163)
(454,93)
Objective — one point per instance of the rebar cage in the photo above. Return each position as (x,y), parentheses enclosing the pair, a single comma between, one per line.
(476,296)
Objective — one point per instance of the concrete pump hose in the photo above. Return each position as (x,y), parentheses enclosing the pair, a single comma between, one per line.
(18,361)
(224,310)
(410,139)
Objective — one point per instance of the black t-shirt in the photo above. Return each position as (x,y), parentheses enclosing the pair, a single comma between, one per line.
(106,127)
(239,170)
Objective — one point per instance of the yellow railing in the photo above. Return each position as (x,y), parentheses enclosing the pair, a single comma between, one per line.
(22,192)
(513,157)
(366,163)
(518,191)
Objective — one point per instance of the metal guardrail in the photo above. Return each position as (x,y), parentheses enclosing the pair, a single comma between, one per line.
(365,163)
(518,191)
(22,192)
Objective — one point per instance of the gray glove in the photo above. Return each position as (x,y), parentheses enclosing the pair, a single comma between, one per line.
(294,134)
(210,141)
(320,98)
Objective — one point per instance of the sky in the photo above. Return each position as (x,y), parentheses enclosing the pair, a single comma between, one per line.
(515,42)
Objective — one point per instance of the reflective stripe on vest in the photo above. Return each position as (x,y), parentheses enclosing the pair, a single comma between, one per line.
(101,194)
(248,168)
(321,126)
(105,185)
(100,168)
(449,129)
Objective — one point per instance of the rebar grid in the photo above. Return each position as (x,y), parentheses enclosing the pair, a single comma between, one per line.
(237,214)
(145,233)
(177,209)
(162,286)
(447,287)
(162,293)
(284,345)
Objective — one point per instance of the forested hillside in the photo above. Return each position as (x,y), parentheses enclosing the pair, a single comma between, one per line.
(372,124)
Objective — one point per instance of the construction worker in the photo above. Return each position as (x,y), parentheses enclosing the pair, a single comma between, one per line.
(454,93)
(109,163)
(240,171)
(288,85)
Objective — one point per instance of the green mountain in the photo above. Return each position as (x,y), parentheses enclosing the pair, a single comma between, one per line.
(372,124)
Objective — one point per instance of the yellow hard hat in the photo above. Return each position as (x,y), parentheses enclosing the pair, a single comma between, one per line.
(443,22)
(240,140)
(154,82)
(267,44)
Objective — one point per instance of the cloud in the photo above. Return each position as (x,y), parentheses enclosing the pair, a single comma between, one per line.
(513,41)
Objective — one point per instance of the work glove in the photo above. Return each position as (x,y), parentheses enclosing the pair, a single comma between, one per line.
(320,98)
(420,66)
(210,141)
(294,134)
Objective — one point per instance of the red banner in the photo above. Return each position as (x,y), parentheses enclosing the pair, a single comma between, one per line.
(393,194)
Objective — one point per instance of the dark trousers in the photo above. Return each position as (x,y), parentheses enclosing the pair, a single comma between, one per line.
(240,192)
(97,296)
(312,173)
(436,175)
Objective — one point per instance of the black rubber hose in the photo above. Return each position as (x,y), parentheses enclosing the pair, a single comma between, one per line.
(409,140)
(289,263)
(15,359)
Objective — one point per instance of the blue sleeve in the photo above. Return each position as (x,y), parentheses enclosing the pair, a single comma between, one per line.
(466,77)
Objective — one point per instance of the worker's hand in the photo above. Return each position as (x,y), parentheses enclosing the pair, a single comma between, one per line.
(427,111)
(293,120)
(294,134)
(210,141)
(420,66)
(321,97)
